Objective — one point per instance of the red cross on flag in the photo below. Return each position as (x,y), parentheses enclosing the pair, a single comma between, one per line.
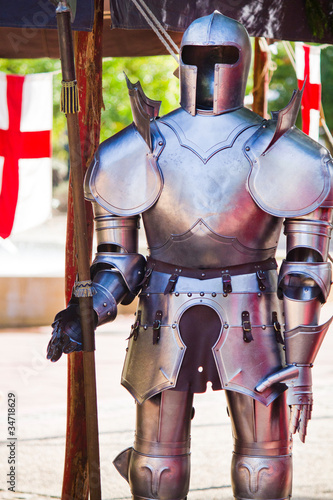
(25,151)
(308,67)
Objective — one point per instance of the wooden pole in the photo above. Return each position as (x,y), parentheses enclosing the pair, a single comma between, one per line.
(260,80)
(88,57)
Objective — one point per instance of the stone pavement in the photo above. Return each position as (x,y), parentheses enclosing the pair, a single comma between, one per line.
(40,391)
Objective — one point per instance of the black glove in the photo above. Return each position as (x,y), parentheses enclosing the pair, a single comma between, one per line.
(66,334)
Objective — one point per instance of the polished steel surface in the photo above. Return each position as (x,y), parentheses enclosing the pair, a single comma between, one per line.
(303,343)
(305,233)
(229,83)
(158,466)
(143,110)
(261,478)
(240,365)
(110,290)
(124,178)
(130,267)
(113,230)
(262,463)
(295,162)
(221,222)
(319,272)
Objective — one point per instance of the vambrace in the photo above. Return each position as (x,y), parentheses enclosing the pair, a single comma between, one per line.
(304,284)
(118,268)
(305,275)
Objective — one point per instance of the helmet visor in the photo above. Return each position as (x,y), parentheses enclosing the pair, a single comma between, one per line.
(204,57)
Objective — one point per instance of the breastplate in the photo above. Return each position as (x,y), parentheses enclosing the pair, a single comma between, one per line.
(205,216)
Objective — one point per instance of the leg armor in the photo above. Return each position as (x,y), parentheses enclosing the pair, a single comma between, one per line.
(158,466)
(261,464)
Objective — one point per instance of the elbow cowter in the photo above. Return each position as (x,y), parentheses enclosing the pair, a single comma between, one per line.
(116,279)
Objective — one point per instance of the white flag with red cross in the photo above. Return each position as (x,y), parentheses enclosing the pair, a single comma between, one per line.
(26,109)
(308,70)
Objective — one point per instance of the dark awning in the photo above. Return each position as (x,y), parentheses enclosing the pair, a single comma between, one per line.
(30,15)
(26,25)
(279,19)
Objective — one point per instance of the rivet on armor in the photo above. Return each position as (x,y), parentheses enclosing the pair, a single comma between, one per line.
(214,294)
(108,313)
(226,325)
(247,148)
(174,325)
(148,295)
(145,327)
(203,274)
(104,304)
(160,143)
(177,294)
(259,294)
(202,294)
(189,294)
(225,295)
(263,327)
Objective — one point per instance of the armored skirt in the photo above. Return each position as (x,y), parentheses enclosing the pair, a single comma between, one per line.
(200,326)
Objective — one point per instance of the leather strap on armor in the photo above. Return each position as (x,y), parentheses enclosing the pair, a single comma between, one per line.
(157,327)
(171,284)
(226,283)
(135,327)
(277,328)
(208,273)
(247,328)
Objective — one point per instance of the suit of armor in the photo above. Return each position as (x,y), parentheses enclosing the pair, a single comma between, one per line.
(214,183)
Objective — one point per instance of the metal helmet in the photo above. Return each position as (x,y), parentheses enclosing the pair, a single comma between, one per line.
(215,57)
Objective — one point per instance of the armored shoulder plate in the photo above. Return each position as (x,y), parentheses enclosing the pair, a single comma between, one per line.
(290,173)
(124,177)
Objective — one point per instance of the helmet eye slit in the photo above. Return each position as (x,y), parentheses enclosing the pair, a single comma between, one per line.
(207,56)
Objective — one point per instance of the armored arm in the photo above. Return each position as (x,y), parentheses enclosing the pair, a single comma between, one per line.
(304,285)
(304,282)
(116,273)
(118,268)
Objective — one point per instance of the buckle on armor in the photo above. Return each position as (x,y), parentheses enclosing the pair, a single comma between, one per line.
(277,328)
(157,327)
(247,328)
(261,276)
(171,284)
(135,327)
(145,281)
(226,282)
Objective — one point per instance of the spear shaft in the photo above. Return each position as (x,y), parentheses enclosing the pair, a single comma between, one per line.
(70,107)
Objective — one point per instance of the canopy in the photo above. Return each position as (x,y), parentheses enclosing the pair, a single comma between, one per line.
(27,27)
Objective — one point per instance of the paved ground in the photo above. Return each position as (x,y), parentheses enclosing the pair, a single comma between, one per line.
(40,391)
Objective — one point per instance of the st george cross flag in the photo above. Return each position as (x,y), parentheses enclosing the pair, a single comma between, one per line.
(308,67)
(25,151)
